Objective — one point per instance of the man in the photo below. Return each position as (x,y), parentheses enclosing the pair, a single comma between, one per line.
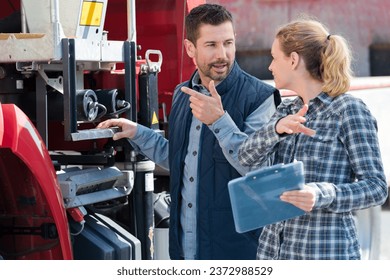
(211,115)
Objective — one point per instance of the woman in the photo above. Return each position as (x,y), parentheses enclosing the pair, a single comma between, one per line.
(332,133)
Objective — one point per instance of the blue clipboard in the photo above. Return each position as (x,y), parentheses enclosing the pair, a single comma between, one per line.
(255,197)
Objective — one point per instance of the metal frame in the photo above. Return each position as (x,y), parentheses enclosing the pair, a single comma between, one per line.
(33,52)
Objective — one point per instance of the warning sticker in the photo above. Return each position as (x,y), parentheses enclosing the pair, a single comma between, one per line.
(154,119)
(91,13)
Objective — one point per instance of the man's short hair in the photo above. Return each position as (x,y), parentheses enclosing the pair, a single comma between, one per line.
(205,14)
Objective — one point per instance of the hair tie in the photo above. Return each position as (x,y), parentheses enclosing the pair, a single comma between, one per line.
(328,37)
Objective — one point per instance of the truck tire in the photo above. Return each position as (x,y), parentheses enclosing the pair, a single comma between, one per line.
(368,223)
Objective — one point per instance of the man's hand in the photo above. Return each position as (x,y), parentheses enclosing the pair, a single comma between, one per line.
(205,108)
(294,123)
(128,128)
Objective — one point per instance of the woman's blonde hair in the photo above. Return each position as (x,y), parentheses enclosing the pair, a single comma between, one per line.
(327,56)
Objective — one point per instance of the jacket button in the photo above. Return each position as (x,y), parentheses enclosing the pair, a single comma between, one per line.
(197,127)
(190,205)
(194,153)
(230,151)
(216,130)
(191,179)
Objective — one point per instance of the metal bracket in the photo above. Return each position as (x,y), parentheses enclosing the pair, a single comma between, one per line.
(151,66)
(56,83)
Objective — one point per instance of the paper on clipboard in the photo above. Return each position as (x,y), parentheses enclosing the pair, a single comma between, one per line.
(255,197)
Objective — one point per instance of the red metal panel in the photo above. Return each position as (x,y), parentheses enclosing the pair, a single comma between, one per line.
(9,7)
(29,191)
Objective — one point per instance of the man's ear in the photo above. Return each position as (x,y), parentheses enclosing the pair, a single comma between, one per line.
(294,59)
(190,48)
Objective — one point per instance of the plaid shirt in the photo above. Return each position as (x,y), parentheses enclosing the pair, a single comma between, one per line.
(342,162)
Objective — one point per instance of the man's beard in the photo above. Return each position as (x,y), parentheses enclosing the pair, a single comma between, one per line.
(208,71)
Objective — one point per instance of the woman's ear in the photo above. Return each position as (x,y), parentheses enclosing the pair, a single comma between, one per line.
(294,59)
(190,48)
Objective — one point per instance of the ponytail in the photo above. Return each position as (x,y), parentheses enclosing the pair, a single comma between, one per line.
(336,66)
